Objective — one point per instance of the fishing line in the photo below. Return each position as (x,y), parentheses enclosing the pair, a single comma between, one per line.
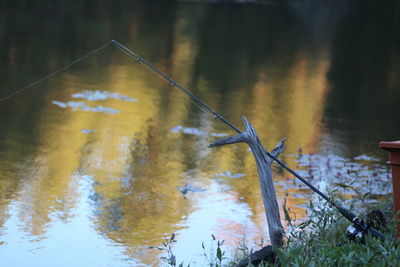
(55,72)
(204,107)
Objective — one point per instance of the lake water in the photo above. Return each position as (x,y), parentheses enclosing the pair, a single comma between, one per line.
(105,159)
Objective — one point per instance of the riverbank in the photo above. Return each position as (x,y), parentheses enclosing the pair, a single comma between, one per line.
(321,240)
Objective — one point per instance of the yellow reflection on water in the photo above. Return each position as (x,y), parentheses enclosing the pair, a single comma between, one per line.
(103,187)
(134,163)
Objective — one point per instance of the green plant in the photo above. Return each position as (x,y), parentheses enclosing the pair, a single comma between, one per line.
(169,258)
(318,241)
(214,259)
(321,241)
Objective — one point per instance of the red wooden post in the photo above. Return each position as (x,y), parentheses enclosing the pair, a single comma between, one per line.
(394,161)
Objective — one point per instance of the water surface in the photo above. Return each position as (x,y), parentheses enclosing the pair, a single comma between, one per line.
(105,159)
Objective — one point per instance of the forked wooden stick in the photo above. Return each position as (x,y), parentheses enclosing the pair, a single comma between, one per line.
(265,177)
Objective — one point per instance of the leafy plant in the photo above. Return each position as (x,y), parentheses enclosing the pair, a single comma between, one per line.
(321,241)
(214,259)
(169,258)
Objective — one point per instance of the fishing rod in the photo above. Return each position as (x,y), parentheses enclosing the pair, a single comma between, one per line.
(355,231)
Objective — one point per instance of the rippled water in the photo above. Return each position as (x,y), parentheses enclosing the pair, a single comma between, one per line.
(105,159)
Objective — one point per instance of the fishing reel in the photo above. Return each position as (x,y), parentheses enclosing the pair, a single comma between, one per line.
(355,234)
(359,229)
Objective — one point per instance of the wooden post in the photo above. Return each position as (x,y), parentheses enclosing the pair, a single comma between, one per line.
(394,161)
(265,177)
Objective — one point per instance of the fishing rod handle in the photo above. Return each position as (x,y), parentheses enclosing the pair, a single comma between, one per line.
(375,233)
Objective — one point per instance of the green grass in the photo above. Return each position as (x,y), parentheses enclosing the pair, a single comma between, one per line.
(319,241)
(322,241)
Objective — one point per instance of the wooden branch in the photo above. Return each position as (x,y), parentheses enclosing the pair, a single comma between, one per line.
(279,148)
(229,140)
(265,255)
(265,177)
